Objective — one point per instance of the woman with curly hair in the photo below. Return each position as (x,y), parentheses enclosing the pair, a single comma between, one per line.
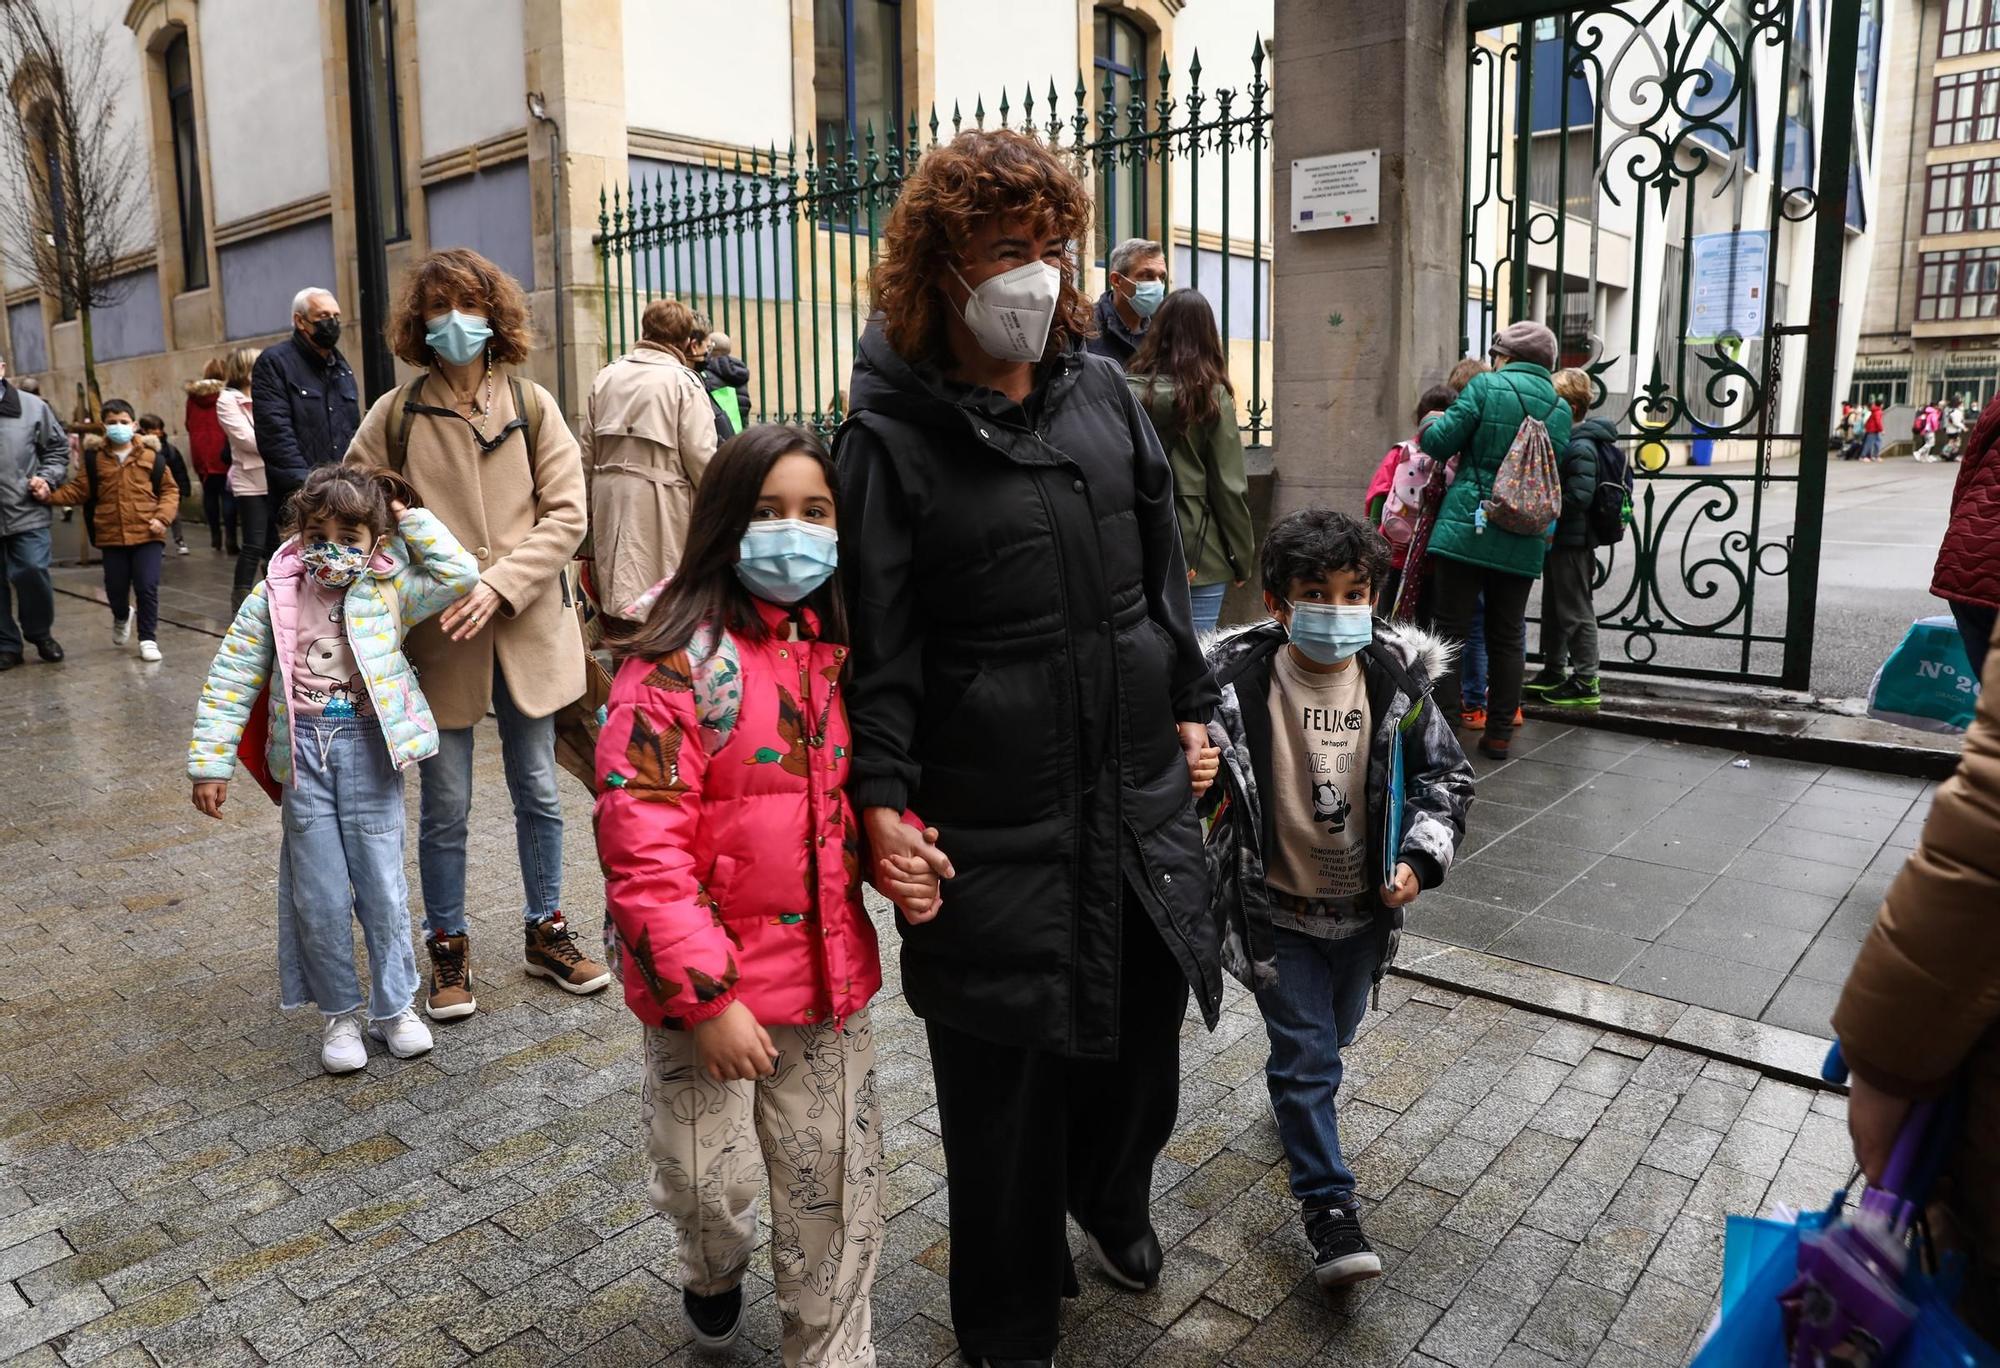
(489,454)
(1027,681)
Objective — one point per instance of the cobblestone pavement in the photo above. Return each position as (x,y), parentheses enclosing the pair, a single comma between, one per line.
(184,1185)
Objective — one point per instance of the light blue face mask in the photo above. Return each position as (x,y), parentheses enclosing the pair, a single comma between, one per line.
(457,337)
(118,434)
(1146,297)
(783,561)
(1328,633)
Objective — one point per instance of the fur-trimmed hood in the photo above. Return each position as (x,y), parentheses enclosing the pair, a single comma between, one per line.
(1422,654)
(204,390)
(94,441)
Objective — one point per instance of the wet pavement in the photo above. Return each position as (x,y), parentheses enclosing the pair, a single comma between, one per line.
(183,1184)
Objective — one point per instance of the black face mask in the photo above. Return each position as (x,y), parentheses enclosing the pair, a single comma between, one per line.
(326,333)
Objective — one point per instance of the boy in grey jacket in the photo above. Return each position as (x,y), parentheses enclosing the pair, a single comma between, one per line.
(1344,796)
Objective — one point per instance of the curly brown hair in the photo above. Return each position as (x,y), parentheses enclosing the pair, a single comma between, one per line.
(468,279)
(955,190)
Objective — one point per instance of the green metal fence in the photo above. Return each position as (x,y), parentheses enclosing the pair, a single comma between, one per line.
(775,247)
(1608,145)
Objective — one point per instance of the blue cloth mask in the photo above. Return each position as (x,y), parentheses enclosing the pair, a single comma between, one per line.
(1328,633)
(783,561)
(1146,297)
(457,337)
(118,434)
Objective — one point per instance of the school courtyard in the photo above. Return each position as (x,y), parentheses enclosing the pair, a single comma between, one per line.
(184,1185)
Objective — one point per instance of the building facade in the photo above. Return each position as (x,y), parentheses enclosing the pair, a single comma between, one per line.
(501,125)
(1930,317)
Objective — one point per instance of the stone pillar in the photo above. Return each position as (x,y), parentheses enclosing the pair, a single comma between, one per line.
(576,62)
(1364,318)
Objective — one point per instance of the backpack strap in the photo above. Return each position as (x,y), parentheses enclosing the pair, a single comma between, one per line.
(528,407)
(398,443)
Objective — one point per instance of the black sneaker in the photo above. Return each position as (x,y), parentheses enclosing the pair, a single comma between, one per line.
(1542,683)
(1341,1253)
(1134,1266)
(716,1320)
(1578,691)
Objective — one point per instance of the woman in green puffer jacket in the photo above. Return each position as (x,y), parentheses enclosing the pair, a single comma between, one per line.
(1181,378)
(1470,558)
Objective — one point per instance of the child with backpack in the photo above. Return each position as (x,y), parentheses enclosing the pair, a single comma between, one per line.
(1343,795)
(154,426)
(129,497)
(1592,465)
(733,864)
(316,655)
(1403,490)
(1504,427)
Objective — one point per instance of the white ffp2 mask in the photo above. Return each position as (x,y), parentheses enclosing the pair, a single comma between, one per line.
(1010,314)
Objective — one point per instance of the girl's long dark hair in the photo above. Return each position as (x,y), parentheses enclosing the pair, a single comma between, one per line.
(1182,345)
(705,589)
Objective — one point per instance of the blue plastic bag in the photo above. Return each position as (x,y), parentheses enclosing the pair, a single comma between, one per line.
(1760,1259)
(1926,682)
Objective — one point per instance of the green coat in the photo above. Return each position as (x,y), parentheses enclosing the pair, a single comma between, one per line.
(1478,428)
(1211,492)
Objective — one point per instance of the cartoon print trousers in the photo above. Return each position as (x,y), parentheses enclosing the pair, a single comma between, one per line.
(817,1129)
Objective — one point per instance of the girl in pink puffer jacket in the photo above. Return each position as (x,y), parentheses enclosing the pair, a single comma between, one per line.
(733,868)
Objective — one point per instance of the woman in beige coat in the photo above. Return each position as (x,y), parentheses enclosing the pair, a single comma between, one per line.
(490,455)
(647,438)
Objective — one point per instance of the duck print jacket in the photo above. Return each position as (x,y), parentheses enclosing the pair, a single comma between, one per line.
(732,857)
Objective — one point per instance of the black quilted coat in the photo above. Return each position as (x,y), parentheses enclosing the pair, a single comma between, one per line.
(1022,651)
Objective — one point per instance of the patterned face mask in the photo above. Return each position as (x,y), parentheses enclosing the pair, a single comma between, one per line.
(334,565)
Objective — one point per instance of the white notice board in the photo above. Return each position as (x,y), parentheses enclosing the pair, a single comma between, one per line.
(1341,190)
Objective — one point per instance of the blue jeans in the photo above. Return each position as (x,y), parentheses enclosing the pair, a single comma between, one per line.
(1311,1015)
(1975,629)
(1472,670)
(1206,600)
(528,754)
(342,861)
(24,576)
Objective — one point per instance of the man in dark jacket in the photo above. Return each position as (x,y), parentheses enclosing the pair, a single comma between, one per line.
(1026,679)
(1569,618)
(303,397)
(1138,271)
(33,446)
(727,381)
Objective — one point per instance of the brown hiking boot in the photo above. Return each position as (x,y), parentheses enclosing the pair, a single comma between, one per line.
(552,954)
(451,978)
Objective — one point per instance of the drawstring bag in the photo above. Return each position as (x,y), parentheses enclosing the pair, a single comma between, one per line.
(1527,490)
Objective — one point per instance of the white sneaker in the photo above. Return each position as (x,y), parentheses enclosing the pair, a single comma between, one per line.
(121,632)
(149,651)
(342,1051)
(404,1033)
(184,549)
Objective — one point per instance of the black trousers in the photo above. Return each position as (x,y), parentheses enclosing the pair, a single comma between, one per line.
(253,512)
(131,571)
(1029,1135)
(218,509)
(1455,590)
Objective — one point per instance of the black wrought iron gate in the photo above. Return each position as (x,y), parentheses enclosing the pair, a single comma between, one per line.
(1666,184)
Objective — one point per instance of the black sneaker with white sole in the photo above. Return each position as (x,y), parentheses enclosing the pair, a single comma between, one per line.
(715,1320)
(1341,1253)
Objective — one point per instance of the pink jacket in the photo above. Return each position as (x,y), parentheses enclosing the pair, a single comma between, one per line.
(732,857)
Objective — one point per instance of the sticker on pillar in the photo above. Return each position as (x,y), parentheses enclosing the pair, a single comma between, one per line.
(1340,190)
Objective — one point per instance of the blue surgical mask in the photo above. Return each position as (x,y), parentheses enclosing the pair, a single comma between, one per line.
(457,337)
(118,434)
(785,560)
(1146,297)
(1328,633)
